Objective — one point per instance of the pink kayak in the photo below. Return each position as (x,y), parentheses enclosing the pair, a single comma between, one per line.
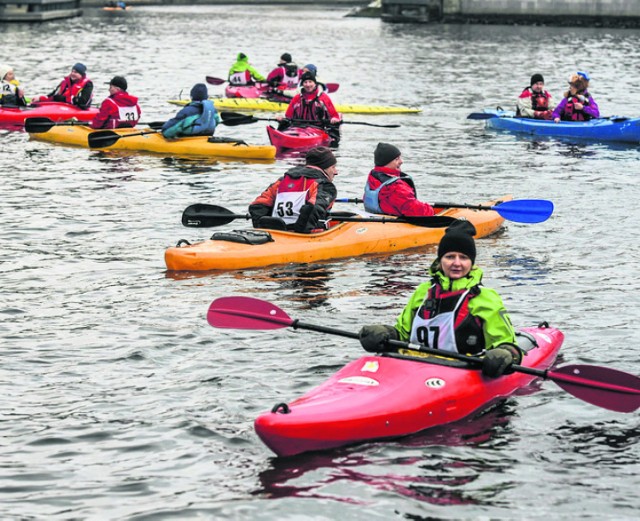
(246,91)
(388,396)
(298,137)
(55,111)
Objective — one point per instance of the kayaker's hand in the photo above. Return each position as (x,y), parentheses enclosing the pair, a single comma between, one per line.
(557,120)
(578,106)
(334,121)
(498,361)
(279,118)
(374,338)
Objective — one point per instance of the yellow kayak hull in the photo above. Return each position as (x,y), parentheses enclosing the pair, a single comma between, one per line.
(154,142)
(347,239)
(253,104)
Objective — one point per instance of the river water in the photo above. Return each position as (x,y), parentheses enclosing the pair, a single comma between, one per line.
(120,402)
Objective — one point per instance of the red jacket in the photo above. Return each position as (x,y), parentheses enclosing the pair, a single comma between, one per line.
(120,110)
(399,197)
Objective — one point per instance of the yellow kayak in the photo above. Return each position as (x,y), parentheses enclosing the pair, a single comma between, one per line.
(253,104)
(346,239)
(153,141)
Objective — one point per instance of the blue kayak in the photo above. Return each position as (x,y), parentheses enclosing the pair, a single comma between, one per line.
(615,128)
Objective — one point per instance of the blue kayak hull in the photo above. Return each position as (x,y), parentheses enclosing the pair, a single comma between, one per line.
(620,129)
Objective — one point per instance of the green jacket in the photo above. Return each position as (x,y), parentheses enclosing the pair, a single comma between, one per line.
(242,64)
(487,306)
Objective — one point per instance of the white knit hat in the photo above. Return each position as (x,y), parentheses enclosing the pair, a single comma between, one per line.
(4,69)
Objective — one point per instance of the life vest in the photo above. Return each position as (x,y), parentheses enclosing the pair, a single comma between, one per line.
(540,101)
(443,321)
(206,122)
(241,78)
(291,75)
(571,114)
(291,197)
(8,93)
(371,198)
(311,109)
(71,90)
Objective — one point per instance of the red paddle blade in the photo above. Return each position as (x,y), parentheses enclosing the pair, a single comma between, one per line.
(246,313)
(608,388)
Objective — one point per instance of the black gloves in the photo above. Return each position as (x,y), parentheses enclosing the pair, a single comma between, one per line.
(498,361)
(374,338)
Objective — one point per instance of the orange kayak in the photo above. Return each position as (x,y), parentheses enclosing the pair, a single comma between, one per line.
(346,239)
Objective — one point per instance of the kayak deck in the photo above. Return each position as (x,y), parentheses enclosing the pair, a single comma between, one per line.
(153,141)
(253,104)
(383,397)
(298,137)
(346,239)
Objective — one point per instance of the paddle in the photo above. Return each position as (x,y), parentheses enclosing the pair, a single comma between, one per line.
(212,80)
(107,138)
(235,118)
(39,125)
(209,215)
(607,388)
(486,115)
(521,210)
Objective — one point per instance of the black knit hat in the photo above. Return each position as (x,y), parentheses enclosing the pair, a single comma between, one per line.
(322,157)
(286,57)
(308,76)
(536,78)
(199,92)
(385,153)
(119,81)
(459,237)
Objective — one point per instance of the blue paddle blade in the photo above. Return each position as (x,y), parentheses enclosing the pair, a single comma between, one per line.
(525,210)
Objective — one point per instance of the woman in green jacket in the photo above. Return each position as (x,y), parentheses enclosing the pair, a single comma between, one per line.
(453,311)
(243,73)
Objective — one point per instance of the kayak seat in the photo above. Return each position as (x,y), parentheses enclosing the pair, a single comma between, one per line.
(272,223)
(243,236)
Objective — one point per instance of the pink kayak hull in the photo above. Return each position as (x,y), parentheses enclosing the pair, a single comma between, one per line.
(384,397)
(50,109)
(298,137)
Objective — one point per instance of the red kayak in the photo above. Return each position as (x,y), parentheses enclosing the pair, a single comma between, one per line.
(246,91)
(388,396)
(298,137)
(55,111)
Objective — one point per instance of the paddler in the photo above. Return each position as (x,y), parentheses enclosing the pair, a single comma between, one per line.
(242,72)
(286,74)
(388,190)
(10,92)
(453,311)
(534,101)
(75,89)
(120,109)
(312,105)
(577,104)
(300,199)
(198,118)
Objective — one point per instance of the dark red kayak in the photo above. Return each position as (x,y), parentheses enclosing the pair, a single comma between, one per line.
(298,137)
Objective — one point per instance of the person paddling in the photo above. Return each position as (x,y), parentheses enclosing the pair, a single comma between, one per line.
(10,92)
(198,118)
(286,74)
(120,109)
(300,199)
(314,106)
(388,190)
(75,89)
(577,104)
(243,73)
(534,101)
(453,311)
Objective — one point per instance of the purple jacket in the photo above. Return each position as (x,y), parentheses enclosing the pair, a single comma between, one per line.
(565,109)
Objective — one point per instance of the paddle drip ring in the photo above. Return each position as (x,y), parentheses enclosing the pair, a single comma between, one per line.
(283,406)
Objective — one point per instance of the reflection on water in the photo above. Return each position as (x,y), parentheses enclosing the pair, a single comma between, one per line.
(420,467)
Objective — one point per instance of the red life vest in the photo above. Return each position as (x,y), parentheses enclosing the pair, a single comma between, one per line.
(540,101)
(311,108)
(71,90)
(570,113)
(468,329)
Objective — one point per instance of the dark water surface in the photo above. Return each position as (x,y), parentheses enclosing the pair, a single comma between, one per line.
(120,402)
